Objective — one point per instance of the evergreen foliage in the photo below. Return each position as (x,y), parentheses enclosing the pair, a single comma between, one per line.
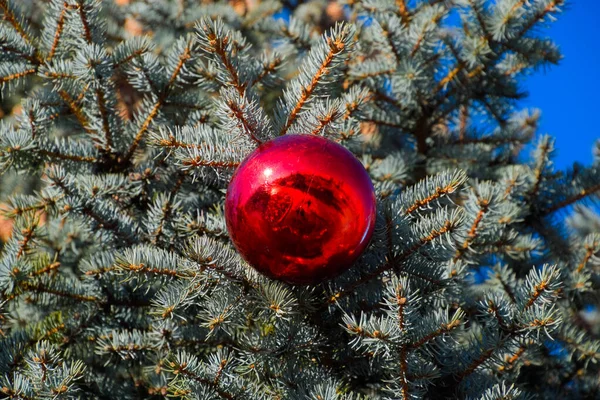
(124,124)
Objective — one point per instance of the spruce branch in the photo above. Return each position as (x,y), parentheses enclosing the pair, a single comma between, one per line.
(405,16)
(39,288)
(107,219)
(430,190)
(591,247)
(47,269)
(215,40)
(512,359)
(183,57)
(231,52)
(486,355)
(445,328)
(208,252)
(496,305)
(586,192)
(147,260)
(117,224)
(448,227)
(542,155)
(297,33)
(404,373)
(9,15)
(67,157)
(472,234)
(479,12)
(87,33)
(184,370)
(550,7)
(18,206)
(269,67)
(56,75)
(17,75)
(60,23)
(426,27)
(168,208)
(320,65)
(541,286)
(506,279)
(104,116)
(240,114)
(199,162)
(76,110)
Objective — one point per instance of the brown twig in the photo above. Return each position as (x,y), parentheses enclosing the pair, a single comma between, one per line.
(448,227)
(439,192)
(589,252)
(199,162)
(104,116)
(17,75)
(579,196)
(247,126)
(483,208)
(168,207)
(445,328)
(161,98)
(335,46)
(537,292)
(57,34)
(404,17)
(69,157)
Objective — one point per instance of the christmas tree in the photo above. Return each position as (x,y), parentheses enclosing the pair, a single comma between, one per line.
(123,122)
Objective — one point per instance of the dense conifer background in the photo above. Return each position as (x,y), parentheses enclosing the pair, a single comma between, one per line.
(122,122)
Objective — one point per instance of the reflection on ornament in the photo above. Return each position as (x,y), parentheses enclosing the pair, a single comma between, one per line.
(300,209)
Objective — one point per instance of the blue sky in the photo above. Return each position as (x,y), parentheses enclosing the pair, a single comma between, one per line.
(569,94)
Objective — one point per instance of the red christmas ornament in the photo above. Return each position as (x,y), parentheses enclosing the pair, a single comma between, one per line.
(300,209)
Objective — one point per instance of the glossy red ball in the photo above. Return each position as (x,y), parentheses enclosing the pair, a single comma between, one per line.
(300,209)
